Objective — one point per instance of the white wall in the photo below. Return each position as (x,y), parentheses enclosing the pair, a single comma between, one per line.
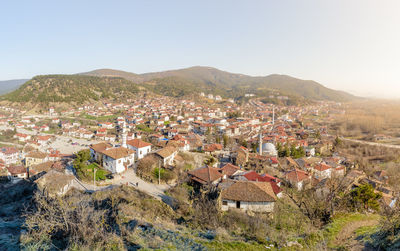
(251,206)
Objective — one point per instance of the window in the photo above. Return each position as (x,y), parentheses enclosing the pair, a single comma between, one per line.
(224,203)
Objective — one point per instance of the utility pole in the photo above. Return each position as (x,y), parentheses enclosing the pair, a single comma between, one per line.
(94,176)
(159,171)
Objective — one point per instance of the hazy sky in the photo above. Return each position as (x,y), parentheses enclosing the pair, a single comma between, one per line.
(353,45)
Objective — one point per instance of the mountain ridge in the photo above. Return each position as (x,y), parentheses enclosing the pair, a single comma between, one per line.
(7,86)
(212,76)
(110,83)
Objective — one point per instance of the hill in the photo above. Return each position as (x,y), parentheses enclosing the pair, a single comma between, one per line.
(108,83)
(11,85)
(228,84)
(71,89)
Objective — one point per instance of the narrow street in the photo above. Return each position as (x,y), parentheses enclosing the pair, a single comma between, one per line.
(127,178)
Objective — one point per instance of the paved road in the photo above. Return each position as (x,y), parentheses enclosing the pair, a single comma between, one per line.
(127,178)
(370,143)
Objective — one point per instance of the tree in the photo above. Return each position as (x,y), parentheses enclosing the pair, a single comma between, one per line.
(338,141)
(225,139)
(284,152)
(365,196)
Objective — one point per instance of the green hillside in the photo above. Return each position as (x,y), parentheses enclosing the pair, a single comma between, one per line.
(107,83)
(71,88)
(227,84)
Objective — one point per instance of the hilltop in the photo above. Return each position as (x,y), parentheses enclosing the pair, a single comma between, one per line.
(107,83)
(231,84)
(71,89)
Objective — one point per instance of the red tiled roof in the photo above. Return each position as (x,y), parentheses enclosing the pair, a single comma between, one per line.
(212,147)
(322,167)
(137,143)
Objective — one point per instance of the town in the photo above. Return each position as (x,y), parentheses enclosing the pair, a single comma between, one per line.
(157,143)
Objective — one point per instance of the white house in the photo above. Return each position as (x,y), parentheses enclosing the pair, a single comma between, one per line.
(298,178)
(167,155)
(322,171)
(9,155)
(118,160)
(141,147)
(248,196)
(16,173)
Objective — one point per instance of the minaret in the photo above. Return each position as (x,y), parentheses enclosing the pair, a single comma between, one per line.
(124,135)
(260,143)
(273,115)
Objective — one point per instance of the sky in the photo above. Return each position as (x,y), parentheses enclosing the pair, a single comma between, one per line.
(351,45)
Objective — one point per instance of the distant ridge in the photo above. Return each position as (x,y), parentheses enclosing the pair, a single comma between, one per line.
(11,85)
(209,78)
(102,84)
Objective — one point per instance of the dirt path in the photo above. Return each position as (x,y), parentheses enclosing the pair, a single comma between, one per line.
(347,236)
(371,143)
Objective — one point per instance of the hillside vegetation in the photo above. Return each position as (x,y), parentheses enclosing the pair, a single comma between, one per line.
(227,84)
(71,88)
(106,84)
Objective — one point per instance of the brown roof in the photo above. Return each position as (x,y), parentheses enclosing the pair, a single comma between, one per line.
(100,147)
(249,191)
(213,147)
(36,155)
(138,143)
(118,152)
(14,170)
(205,175)
(166,151)
(322,167)
(43,167)
(229,169)
(297,175)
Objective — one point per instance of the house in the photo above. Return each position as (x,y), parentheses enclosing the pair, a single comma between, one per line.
(248,196)
(55,183)
(167,155)
(36,171)
(15,173)
(212,148)
(118,160)
(22,137)
(322,171)
(96,151)
(206,175)
(10,155)
(230,170)
(141,147)
(43,139)
(253,176)
(35,158)
(298,178)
